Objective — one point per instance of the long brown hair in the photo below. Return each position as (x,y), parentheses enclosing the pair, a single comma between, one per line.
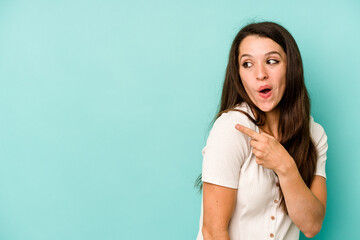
(294,106)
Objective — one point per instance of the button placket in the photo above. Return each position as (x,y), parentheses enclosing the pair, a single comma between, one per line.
(273,215)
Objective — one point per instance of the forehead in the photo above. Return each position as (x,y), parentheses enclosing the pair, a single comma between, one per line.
(256,45)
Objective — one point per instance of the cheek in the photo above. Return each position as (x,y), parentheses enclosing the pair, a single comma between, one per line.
(282,86)
(280,80)
(247,87)
(283,81)
(244,80)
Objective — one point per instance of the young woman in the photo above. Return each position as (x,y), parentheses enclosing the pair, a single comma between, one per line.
(264,161)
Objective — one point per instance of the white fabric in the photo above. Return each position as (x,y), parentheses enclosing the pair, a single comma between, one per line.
(228,161)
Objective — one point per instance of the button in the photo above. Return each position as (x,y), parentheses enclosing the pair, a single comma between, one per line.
(272,235)
(278,184)
(276,201)
(272,218)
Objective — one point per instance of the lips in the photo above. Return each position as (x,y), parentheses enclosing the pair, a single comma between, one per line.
(265,91)
(264,88)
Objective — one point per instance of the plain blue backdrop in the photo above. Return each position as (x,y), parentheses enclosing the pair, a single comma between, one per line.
(106,105)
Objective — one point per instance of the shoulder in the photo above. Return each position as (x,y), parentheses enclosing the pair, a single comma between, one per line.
(317,132)
(235,116)
(319,138)
(223,131)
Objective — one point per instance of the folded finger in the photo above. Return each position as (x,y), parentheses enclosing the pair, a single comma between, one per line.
(256,144)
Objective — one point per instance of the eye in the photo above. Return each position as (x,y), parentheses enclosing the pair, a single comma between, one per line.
(272,61)
(246,64)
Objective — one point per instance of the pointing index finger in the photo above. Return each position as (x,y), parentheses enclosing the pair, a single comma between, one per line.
(248,131)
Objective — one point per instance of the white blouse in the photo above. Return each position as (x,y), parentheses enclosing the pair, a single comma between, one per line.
(228,161)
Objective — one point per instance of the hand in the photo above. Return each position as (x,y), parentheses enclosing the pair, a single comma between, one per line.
(268,151)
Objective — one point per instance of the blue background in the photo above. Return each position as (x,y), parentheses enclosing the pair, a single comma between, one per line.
(106,105)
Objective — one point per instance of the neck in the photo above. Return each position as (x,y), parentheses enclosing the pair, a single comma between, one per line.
(271,125)
(272,122)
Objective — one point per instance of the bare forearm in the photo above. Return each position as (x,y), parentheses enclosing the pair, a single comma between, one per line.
(306,206)
(305,210)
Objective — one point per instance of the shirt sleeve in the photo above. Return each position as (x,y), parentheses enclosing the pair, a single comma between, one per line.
(320,141)
(225,151)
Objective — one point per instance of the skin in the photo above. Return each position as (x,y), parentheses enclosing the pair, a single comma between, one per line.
(306,206)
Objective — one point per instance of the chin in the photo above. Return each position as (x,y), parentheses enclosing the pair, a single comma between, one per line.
(266,108)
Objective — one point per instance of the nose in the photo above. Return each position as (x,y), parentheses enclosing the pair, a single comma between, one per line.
(261,73)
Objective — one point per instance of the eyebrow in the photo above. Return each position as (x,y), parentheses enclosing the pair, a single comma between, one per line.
(266,54)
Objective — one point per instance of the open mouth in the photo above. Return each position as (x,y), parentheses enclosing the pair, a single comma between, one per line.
(265,91)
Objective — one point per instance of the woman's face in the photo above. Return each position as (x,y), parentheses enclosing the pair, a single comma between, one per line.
(262,69)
